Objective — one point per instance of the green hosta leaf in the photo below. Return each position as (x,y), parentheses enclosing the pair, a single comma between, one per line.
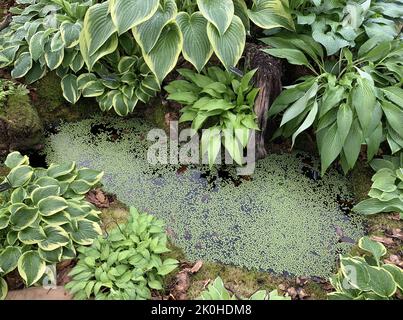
(219,13)
(98,28)
(363,100)
(269,14)
(293,56)
(396,272)
(352,144)
(22,65)
(52,205)
(37,45)
(164,56)
(167,267)
(196,45)
(9,259)
(56,237)
(54,58)
(356,273)
(3,289)
(23,217)
(394,94)
(18,195)
(58,219)
(15,159)
(31,267)
(344,121)
(93,89)
(53,256)
(59,170)
(330,147)
(37,72)
(373,206)
(394,115)
(19,176)
(70,34)
(127,14)
(86,233)
(90,176)
(211,144)
(230,45)
(31,236)
(148,33)
(233,146)
(377,249)
(381,282)
(307,123)
(70,88)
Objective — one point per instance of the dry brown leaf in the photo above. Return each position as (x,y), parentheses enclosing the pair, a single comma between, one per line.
(384,240)
(98,198)
(197,266)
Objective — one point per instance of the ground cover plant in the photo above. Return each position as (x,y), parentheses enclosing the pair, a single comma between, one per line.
(307,94)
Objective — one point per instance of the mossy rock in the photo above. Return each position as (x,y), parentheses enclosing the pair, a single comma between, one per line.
(52,106)
(20,125)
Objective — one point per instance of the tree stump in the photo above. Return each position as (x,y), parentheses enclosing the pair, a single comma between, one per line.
(268,79)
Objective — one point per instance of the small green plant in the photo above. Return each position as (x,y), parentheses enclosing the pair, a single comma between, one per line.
(217,291)
(221,103)
(126,264)
(353,100)
(386,194)
(9,88)
(43,216)
(367,277)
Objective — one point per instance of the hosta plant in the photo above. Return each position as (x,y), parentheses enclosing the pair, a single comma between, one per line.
(353,100)
(344,23)
(386,194)
(221,103)
(124,265)
(217,291)
(166,28)
(43,36)
(44,216)
(366,277)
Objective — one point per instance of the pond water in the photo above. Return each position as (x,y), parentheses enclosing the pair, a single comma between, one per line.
(284,219)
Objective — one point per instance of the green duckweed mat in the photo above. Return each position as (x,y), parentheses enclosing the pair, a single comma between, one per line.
(285,219)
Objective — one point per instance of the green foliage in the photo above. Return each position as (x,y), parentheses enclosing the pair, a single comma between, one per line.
(44,215)
(386,194)
(221,102)
(354,100)
(344,23)
(217,291)
(367,277)
(9,88)
(126,264)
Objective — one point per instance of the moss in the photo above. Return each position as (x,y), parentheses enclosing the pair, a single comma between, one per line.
(116,214)
(281,220)
(53,107)
(361,180)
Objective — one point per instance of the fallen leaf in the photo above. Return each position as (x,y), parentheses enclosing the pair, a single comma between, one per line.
(197,267)
(384,240)
(98,198)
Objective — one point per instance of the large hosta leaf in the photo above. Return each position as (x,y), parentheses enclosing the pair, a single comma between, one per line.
(56,237)
(3,289)
(148,33)
(269,14)
(31,235)
(31,267)
(229,46)
(9,259)
(19,176)
(373,206)
(377,249)
(23,217)
(22,65)
(52,205)
(196,45)
(381,282)
(127,14)
(15,159)
(86,232)
(164,56)
(70,88)
(219,13)
(98,27)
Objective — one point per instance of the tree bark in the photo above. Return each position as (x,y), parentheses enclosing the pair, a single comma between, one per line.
(268,79)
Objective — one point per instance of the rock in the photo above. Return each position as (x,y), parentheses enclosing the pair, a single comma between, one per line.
(20,125)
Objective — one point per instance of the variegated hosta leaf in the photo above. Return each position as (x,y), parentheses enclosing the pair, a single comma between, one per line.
(98,28)
(9,259)
(3,289)
(196,45)
(70,33)
(53,256)
(86,232)
(37,72)
(23,217)
(15,159)
(70,88)
(127,14)
(229,46)
(56,237)
(31,235)
(37,45)
(31,267)
(164,56)
(52,205)
(22,65)
(241,10)
(148,33)
(269,14)
(219,13)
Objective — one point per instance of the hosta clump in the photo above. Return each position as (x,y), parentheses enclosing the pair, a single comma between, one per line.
(43,36)
(126,264)
(350,101)
(118,81)
(221,103)
(217,291)
(43,216)
(386,194)
(367,277)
